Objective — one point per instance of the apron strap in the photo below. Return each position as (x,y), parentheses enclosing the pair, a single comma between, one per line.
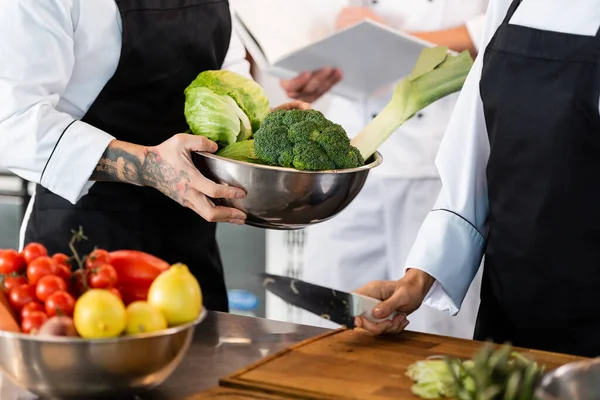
(511,10)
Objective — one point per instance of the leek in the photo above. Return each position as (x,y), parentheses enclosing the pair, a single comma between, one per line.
(437,74)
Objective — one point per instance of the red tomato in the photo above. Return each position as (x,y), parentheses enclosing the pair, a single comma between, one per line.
(11,261)
(13,281)
(20,296)
(60,303)
(33,251)
(47,285)
(33,322)
(103,277)
(62,259)
(97,258)
(39,268)
(64,272)
(31,307)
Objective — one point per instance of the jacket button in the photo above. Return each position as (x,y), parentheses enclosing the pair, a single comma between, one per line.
(420,115)
(373,115)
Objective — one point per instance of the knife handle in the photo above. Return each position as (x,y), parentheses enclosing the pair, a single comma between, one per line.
(366,306)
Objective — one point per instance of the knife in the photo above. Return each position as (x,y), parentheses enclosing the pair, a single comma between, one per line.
(335,305)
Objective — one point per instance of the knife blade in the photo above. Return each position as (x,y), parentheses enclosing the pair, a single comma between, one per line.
(337,306)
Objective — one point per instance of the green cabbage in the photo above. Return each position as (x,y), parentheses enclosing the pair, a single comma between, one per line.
(225,107)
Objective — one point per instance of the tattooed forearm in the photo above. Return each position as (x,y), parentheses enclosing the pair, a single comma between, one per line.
(125,162)
(161,175)
(119,164)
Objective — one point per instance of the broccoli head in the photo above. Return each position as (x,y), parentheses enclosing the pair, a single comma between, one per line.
(305,140)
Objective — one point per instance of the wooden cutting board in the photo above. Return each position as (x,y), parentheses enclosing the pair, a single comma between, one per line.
(352,364)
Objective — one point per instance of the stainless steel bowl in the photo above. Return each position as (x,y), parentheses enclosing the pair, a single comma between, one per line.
(64,367)
(574,381)
(285,198)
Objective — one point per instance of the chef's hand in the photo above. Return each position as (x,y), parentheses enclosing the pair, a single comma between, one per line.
(353,15)
(310,86)
(169,168)
(403,296)
(293,105)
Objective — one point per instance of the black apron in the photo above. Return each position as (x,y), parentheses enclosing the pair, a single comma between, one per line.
(165,45)
(541,275)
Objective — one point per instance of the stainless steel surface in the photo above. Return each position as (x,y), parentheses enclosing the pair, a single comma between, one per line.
(222,345)
(284,198)
(65,367)
(328,303)
(574,381)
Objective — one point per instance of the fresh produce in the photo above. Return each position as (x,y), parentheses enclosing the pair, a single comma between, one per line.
(99,314)
(494,373)
(49,284)
(136,271)
(96,295)
(11,262)
(224,106)
(60,303)
(33,322)
(8,322)
(305,140)
(58,326)
(241,151)
(142,317)
(177,295)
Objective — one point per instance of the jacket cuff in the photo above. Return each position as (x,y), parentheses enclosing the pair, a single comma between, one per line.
(450,249)
(73,160)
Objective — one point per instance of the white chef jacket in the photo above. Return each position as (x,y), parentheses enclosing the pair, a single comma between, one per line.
(410,152)
(56,56)
(450,243)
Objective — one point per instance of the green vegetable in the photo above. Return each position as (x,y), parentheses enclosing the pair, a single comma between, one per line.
(228,108)
(493,374)
(225,107)
(241,151)
(305,140)
(436,74)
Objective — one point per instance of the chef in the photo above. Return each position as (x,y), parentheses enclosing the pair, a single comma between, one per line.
(92,112)
(518,163)
(372,237)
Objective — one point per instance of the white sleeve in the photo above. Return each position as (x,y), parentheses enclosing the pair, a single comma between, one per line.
(235,60)
(451,241)
(37,142)
(475,27)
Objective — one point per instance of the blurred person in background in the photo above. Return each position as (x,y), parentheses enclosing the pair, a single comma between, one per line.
(371,238)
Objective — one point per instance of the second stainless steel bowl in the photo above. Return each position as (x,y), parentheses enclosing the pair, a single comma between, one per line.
(285,198)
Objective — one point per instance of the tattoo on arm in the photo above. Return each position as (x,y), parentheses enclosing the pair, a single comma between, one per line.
(148,169)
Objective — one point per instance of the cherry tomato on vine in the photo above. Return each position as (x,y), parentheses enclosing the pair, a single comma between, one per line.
(103,277)
(32,251)
(62,259)
(33,322)
(97,258)
(47,285)
(39,268)
(20,296)
(60,303)
(12,281)
(31,307)
(11,261)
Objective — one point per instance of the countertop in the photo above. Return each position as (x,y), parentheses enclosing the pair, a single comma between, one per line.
(223,344)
